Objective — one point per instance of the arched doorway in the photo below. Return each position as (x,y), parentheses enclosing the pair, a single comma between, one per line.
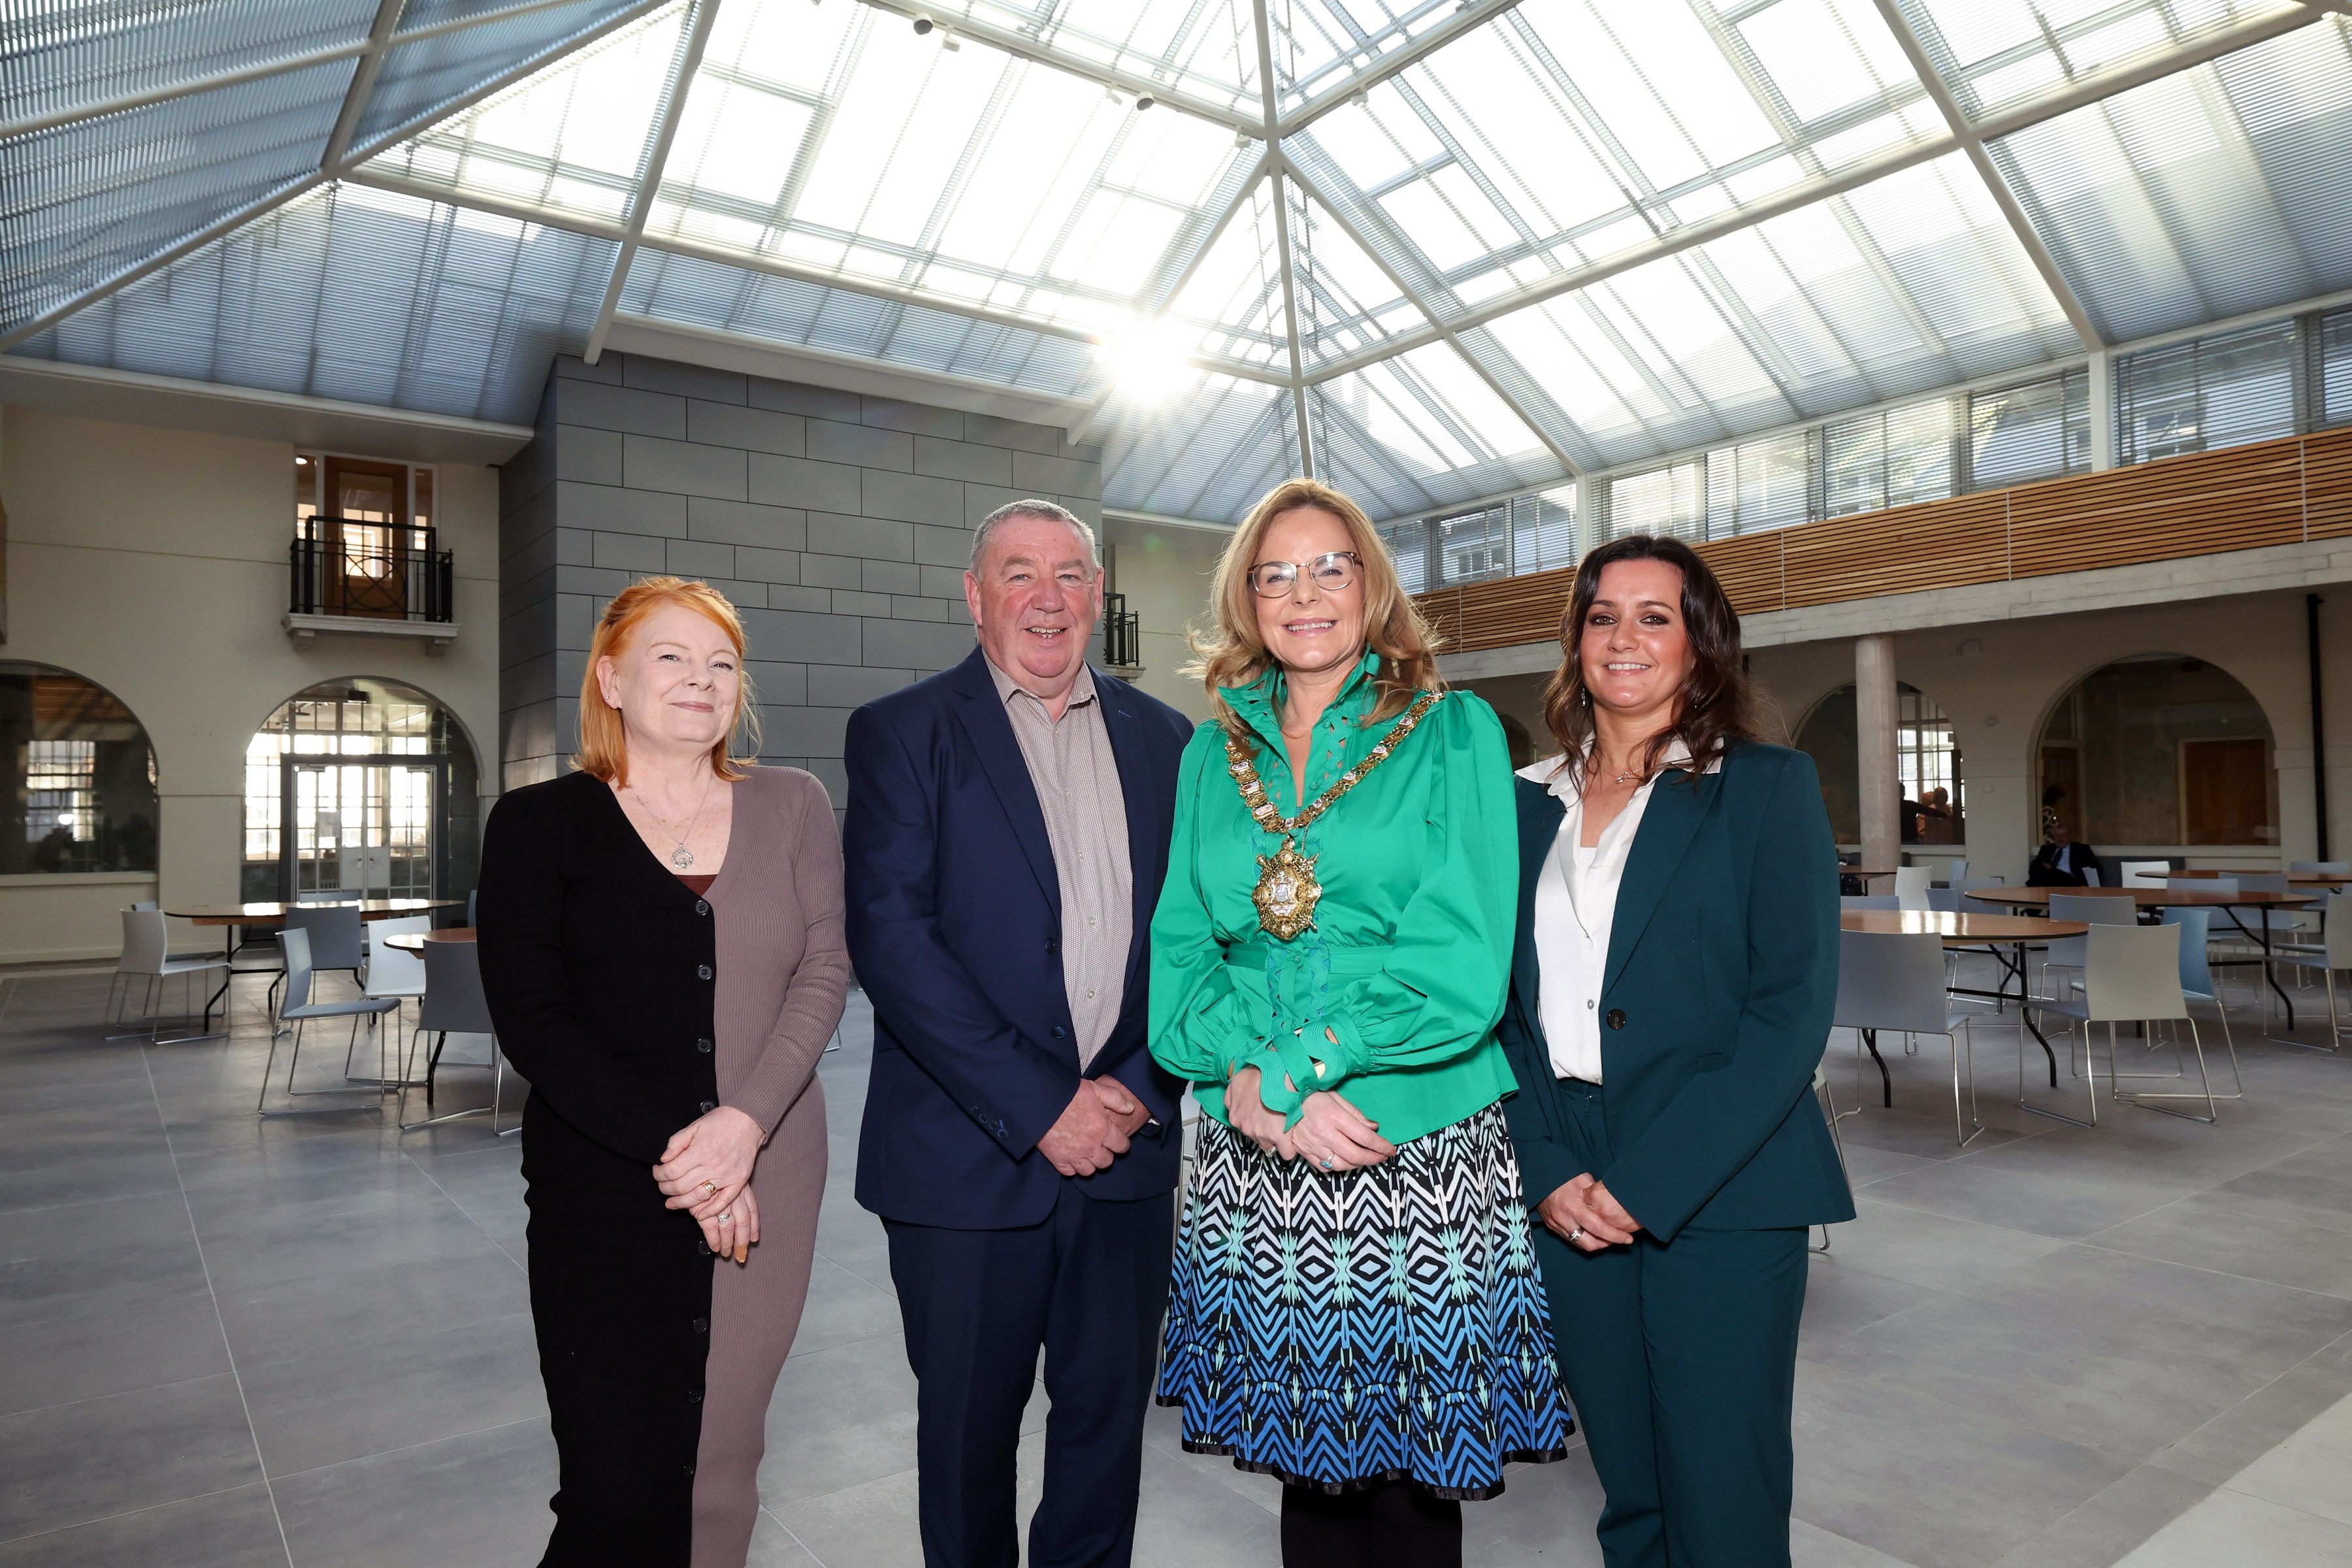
(1926,760)
(2159,751)
(360,783)
(84,794)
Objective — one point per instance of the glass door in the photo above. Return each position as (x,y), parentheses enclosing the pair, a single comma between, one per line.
(365,826)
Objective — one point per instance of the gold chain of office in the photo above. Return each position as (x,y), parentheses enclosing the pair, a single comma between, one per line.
(1288,890)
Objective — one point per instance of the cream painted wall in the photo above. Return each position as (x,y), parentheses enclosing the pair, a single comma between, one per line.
(152,562)
(1999,696)
(1165,574)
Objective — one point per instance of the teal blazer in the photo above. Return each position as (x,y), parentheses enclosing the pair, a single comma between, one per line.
(1716,1003)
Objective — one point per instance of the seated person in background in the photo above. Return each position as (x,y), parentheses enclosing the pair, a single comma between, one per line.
(2061,862)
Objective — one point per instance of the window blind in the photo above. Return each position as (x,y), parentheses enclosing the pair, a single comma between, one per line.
(1669,500)
(2207,394)
(2333,402)
(1760,484)
(1543,531)
(1408,545)
(1475,545)
(2036,431)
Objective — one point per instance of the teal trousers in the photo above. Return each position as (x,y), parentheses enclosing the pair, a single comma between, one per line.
(1681,1360)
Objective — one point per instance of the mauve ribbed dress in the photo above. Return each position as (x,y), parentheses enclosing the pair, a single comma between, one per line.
(784,972)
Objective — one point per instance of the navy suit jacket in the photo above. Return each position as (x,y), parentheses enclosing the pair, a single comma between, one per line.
(1717,994)
(955,929)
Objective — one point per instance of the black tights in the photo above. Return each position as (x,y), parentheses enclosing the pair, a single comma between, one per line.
(1394,1524)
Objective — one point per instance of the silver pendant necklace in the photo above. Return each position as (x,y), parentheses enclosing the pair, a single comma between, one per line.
(680,857)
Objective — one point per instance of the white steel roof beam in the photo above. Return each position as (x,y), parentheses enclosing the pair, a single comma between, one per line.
(1282,234)
(261,206)
(2090,88)
(658,141)
(1471,16)
(1972,142)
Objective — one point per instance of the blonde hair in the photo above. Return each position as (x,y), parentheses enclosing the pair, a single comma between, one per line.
(603,742)
(1232,653)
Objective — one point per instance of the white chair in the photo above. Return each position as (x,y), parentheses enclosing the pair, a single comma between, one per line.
(2142,873)
(2090,875)
(2332,952)
(2067,952)
(1891,982)
(299,1010)
(1911,887)
(2131,974)
(144,958)
(453,1004)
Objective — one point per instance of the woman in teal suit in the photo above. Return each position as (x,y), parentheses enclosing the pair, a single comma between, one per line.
(1671,992)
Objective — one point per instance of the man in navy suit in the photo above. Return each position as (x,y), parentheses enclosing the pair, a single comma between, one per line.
(1007,833)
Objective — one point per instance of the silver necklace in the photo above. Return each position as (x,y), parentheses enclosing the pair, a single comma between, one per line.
(681,857)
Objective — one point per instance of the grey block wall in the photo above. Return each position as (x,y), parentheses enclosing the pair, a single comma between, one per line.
(839,525)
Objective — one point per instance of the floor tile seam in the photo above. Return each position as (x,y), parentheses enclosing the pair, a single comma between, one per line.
(125,1513)
(1986,1224)
(2206,1488)
(66,1405)
(169,1189)
(791,1536)
(410,1447)
(2202,1268)
(2222,1414)
(440,1331)
(1798,1514)
(1963,1413)
(220,1324)
(471,1217)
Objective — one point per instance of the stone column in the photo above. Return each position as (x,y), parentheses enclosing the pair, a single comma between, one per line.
(1873,713)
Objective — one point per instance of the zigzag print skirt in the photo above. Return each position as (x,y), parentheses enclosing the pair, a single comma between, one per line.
(1338,1330)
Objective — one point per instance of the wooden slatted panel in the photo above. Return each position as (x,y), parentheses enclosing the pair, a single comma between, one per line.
(2327,484)
(1749,569)
(2237,499)
(1937,544)
(1512,610)
(1441,608)
(2272,492)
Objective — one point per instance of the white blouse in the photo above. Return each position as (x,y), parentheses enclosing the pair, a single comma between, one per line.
(1576,904)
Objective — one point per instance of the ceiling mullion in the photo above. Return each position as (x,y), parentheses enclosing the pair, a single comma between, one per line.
(660,137)
(1272,132)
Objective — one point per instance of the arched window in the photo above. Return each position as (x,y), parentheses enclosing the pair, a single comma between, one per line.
(2158,752)
(85,776)
(360,783)
(1934,808)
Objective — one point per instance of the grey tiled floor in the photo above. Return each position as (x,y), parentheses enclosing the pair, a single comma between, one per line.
(235,1342)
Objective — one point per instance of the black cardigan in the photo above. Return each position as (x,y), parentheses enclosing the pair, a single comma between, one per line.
(599,966)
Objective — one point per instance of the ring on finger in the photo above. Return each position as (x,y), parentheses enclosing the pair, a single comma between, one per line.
(1576,1236)
(726,1217)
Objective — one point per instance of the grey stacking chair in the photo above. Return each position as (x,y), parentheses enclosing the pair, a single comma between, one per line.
(2090,875)
(455,1005)
(145,904)
(2067,952)
(1868,901)
(2131,974)
(333,928)
(1837,1139)
(1956,873)
(2320,869)
(2332,952)
(390,971)
(472,899)
(144,958)
(299,1010)
(1896,982)
(1945,900)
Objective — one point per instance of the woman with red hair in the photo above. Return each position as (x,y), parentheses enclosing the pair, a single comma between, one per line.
(661,945)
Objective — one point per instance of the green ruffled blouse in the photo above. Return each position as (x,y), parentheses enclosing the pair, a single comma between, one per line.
(1410,955)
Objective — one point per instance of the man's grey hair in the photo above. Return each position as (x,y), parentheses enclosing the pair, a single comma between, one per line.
(1045,509)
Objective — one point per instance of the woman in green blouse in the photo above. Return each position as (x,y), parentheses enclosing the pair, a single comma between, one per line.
(1356,1307)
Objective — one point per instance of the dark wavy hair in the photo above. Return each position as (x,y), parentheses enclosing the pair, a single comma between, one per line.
(1716,707)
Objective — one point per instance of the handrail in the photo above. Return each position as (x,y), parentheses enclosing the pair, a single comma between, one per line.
(1122,634)
(2290,491)
(378,571)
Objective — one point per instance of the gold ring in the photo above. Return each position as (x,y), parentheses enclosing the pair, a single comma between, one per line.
(710,1187)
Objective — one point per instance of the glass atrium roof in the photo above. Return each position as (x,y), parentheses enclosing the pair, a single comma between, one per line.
(1436,249)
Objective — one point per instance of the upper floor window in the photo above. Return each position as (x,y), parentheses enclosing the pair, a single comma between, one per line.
(362,490)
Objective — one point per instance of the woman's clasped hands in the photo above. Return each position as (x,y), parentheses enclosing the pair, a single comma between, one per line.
(1329,1132)
(707,1171)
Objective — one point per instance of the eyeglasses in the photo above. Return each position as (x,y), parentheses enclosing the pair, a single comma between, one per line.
(1331,572)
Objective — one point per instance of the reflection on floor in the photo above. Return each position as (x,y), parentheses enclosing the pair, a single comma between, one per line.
(235,1341)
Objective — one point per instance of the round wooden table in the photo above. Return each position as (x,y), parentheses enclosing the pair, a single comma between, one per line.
(1965,929)
(270,913)
(414,942)
(2295,879)
(2228,903)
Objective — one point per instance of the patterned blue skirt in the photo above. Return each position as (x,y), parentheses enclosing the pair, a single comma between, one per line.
(1338,1330)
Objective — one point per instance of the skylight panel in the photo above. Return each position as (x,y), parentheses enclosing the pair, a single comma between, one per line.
(797,48)
(733,138)
(1513,114)
(1433,225)
(1961,265)
(1997,51)
(1826,55)
(1470,400)
(897,133)
(1376,140)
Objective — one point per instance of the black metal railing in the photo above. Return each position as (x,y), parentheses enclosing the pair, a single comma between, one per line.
(1122,634)
(380,571)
